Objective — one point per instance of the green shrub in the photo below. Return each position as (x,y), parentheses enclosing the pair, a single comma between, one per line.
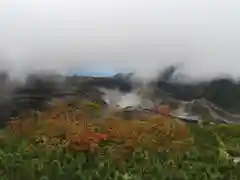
(20,160)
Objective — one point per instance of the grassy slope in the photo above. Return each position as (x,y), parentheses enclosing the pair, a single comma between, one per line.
(158,148)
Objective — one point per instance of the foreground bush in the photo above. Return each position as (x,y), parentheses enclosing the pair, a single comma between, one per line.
(157,148)
(156,134)
(21,161)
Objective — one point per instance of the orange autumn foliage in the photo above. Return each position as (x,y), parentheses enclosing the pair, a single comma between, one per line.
(86,140)
(80,134)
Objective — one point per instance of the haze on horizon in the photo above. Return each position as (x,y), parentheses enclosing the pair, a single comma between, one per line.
(120,35)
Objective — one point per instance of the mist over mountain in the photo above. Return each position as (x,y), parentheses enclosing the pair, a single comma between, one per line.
(223,91)
(38,89)
(181,50)
(140,36)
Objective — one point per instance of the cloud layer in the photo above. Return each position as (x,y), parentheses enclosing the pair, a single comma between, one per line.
(140,35)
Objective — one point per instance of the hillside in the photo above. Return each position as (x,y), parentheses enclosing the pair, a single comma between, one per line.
(66,142)
(38,91)
(73,132)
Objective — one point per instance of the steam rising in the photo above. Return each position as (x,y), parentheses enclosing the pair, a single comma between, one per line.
(133,99)
(117,98)
(137,35)
(130,99)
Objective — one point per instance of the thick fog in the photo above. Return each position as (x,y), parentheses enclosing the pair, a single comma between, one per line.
(120,35)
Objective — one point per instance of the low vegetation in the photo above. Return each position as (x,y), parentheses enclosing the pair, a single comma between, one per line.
(68,143)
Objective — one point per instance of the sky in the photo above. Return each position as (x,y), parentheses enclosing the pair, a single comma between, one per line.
(96,73)
(143,36)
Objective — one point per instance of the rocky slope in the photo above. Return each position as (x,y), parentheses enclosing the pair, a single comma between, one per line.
(38,90)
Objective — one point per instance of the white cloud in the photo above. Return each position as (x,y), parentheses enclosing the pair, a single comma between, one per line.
(141,35)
